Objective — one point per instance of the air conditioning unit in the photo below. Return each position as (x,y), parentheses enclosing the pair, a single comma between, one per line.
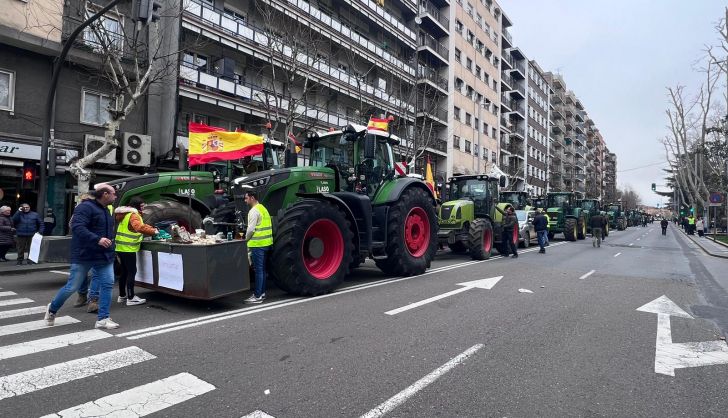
(93,142)
(136,150)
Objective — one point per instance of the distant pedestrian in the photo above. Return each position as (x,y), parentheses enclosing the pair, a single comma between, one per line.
(691,225)
(27,223)
(699,226)
(510,224)
(129,235)
(541,225)
(664,223)
(597,224)
(49,222)
(92,248)
(259,237)
(7,232)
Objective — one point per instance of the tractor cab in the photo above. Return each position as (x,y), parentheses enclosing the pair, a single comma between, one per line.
(565,215)
(591,206)
(481,191)
(519,200)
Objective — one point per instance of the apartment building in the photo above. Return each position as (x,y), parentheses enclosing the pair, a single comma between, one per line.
(475,105)
(538,137)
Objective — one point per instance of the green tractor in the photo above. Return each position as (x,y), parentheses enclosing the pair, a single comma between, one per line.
(591,207)
(519,200)
(565,215)
(347,205)
(616,216)
(469,221)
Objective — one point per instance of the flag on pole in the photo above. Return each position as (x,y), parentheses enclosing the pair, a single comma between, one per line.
(377,124)
(429,179)
(296,144)
(209,143)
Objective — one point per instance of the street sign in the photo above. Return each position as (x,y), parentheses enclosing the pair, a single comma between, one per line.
(716,199)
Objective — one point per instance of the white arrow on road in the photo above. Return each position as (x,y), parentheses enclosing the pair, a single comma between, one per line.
(670,356)
(479,284)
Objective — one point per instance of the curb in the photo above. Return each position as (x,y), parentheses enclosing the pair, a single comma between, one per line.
(702,247)
(33,268)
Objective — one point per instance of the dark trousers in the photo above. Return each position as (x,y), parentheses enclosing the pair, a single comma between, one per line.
(129,271)
(23,246)
(258,254)
(507,242)
(4,250)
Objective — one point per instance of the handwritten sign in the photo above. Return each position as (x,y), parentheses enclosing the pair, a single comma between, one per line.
(145,268)
(34,252)
(171,272)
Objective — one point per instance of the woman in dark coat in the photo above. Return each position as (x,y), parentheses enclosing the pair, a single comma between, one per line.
(7,232)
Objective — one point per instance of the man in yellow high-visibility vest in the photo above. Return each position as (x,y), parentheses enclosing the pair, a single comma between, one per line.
(259,236)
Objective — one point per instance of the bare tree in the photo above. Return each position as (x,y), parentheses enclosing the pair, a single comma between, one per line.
(630,198)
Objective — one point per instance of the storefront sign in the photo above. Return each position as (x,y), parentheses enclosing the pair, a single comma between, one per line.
(20,151)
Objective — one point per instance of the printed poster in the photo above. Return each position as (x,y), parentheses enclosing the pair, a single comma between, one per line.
(170,271)
(145,267)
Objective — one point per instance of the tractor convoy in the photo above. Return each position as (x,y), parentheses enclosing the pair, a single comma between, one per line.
(348,204)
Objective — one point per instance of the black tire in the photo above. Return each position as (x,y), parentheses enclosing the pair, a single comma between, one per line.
(526,241)
(581,229)
(570,229)
(458,247)
(399,261)
(171,210)
(479,248)
(288,267)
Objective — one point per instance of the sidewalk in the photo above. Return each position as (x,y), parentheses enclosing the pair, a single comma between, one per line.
(9,267)
(716,249)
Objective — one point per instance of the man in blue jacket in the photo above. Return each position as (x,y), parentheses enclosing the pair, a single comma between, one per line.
(27,223)
(92,249)
(541,226)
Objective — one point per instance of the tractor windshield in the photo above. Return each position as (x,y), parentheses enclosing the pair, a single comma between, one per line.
(333,150)
(613,208)
(589,205)
(559,200)
(518,200)
(468,190)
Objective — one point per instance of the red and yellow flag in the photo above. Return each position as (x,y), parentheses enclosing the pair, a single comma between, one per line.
(377,124)
(209,143)
(429,179)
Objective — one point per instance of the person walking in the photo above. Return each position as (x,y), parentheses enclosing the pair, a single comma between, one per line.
(663,223)
(92,249)
(541,226)
(259,236)
(699,226)
(129,235)
(7,231)
(597,226)
(27,223)
(510,223)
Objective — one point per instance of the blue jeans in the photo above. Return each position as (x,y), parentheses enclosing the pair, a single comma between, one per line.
(103,281)
(259,266)
(543,237)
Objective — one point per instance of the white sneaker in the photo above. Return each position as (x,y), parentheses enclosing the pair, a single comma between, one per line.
(253,299)
(50,318)
(136,300)
(107,323)
(121,299)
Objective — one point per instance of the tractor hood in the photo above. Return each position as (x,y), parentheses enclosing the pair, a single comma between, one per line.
(455,211)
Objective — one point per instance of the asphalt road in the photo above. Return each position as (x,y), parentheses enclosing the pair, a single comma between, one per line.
(575,346)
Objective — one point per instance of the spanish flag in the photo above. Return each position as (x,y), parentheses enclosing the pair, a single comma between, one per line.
(376,124)
(208,143)
(429,179)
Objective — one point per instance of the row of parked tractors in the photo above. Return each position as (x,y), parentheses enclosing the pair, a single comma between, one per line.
(348,204)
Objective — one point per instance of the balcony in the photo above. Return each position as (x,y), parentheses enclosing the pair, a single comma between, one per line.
(507,37)
(517,89)
(579,128)
(433,20)
(568,124)
(579,140)
(518,131)
(557,113)
(506,103)
(243,97)
(558,126)
(517,108)
(557,98)
(515,148)
(428,110)
(432,76)
(519,70)
(506,59)
(579,115)
(505,123)
(427,43)
(506,80)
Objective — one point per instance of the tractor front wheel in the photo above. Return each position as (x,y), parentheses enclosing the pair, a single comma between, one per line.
(171,210)
(481,239)
(570,232)
(312,250)
(411,234)
(581,229)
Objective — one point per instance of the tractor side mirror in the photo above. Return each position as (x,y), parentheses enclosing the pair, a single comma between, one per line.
(502,181)
(370,146)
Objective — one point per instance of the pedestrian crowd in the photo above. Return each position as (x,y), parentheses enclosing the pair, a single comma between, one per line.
(18,230)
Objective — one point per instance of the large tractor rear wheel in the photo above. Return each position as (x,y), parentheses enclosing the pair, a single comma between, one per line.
(171,210)
(481,239)
(581,228)
(411,235)
(570,231)
(312,248)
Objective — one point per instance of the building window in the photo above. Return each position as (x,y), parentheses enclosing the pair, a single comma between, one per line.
(469,64)
(456,141)
(493,157)
(456,110)
(478,71)
(111,29)
(457,55)
(95,108)
(467,146)
(459,27)
(475,151)
(7,90)
(477,124)
(468,118)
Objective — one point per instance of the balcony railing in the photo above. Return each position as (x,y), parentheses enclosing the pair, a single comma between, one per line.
(507,80)
(507,58)
(432,75)
(518,107)
(433,11)
(520,67)
(429,41)
(519,129)
(430,109)
(508,36)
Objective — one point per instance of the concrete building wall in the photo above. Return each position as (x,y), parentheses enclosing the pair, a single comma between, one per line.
(537,136)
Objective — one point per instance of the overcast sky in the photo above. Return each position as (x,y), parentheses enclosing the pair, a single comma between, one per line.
(619,57)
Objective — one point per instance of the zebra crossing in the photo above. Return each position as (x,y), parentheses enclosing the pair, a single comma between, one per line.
(21,321)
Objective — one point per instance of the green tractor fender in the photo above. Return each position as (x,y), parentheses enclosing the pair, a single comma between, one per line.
(392,190)
(197,204)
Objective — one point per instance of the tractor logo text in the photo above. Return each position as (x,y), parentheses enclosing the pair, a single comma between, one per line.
(186,192)
(213,144)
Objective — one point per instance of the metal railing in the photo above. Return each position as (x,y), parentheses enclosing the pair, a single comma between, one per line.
(432,75)
(428,40)
(508,80)
(520,67)
(508,36)
(433,11)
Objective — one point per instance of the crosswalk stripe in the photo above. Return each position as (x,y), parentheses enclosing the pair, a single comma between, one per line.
(7,294)
(34,325)
(142,400)
(15,301)
(57,374)
(51,343)
(22,312)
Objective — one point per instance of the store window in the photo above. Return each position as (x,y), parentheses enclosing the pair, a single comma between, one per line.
(7,90)
(95,108)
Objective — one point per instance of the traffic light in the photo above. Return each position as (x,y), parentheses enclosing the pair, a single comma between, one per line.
(29,174)
(654,187)
(146,11)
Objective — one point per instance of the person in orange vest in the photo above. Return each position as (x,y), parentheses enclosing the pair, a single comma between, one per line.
(129,234)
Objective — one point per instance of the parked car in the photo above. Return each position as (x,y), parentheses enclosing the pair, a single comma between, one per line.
(525,223)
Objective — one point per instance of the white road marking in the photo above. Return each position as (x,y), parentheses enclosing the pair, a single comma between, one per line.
(257,414)
(15,301)
(56,374)
(398,399)
(142,400)
(617,255)
(2,294)
(22,312)
(51,343)
(34,325)
(631,244)
(670,356)
(476,284)
(587,275)
(638,239)
(67,273)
